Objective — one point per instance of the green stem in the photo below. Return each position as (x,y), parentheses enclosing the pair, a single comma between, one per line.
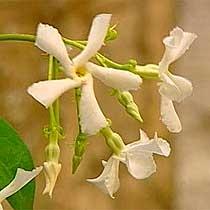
(50,77)
(52,150)
(143,71)
(56,103)
(17,37)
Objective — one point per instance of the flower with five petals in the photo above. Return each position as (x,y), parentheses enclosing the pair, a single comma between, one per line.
(80,72)
(137,156)
(173,87)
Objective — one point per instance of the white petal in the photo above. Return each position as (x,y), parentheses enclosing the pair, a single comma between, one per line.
(161,146)
(46,92)
(108,181)
(168,88)
(156,145)
(138,155)
(140,165)
(51,172)
(96,38)
(143,136)
(119,79)
(49,40)
(91,117)
(22,178)
(104,163)
(144,139)
(184,86)
(174,87)
(175,46)
(169,116)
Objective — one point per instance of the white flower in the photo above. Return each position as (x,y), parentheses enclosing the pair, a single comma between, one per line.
(173,88)
(108,181)
(51,171)
(138,157)
(22,178)
(46,92)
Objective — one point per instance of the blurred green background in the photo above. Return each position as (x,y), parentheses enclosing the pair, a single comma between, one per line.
(182,181)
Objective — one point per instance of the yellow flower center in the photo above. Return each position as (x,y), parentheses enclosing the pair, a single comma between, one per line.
(80,71)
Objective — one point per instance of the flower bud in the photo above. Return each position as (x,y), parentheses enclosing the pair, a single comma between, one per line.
(79,150)
(113,140)
(133,110)
(111,34)
(132,63)
(126,99)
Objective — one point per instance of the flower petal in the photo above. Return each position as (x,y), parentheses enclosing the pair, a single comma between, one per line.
(104,163)
(140,165)
(119,79)
(91,116)
(168,88)
(160,146)
(169,116)
(184,86)
(22,178)
(49,40)
(143,136)
(96,38)
(144,139)
(156,145)
(46,92)
(51,172)
(174,87)
(175,46)
(108,181)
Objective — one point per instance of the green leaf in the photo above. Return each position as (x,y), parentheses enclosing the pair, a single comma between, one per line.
(14,154)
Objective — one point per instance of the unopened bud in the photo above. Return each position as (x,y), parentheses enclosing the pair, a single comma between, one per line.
(111,34)
(113,140)
(79,150)
(132,62)
(126,99)
(133,110)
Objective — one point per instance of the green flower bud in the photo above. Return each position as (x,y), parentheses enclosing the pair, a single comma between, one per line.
(133,110)
(132,63)
(79,150)
(111,34)
(113,140)
(126,99)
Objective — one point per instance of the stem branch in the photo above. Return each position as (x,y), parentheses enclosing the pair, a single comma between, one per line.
(144,71)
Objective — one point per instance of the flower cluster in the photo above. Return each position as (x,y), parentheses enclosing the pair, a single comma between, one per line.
(79,73)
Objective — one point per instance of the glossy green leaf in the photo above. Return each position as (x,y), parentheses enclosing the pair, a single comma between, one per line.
(14,154)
